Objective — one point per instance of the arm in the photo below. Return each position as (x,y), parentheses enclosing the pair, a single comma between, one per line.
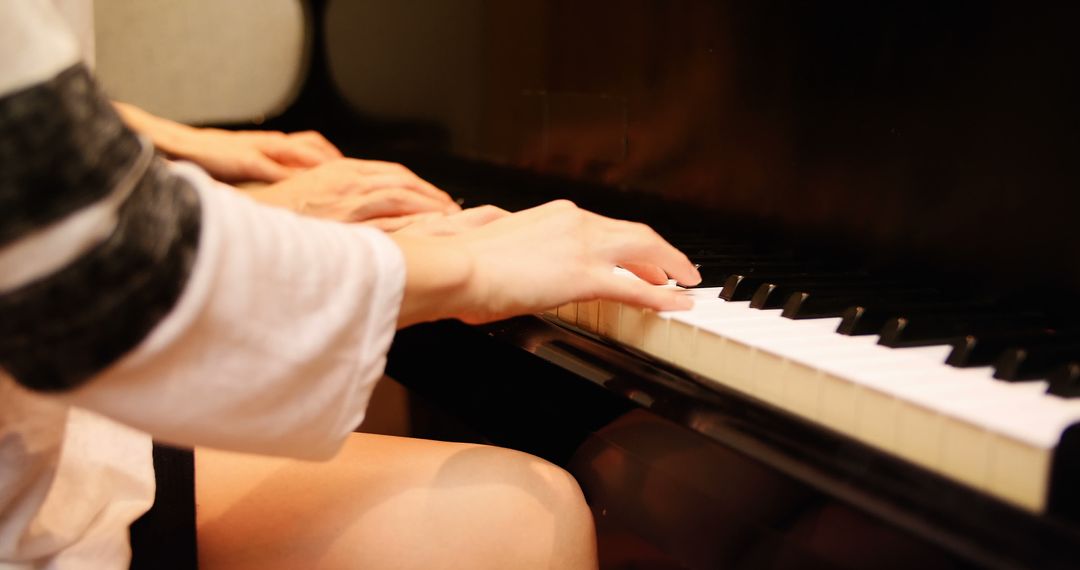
(233,156)
(152,294)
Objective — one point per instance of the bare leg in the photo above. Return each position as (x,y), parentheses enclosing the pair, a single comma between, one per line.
(389,502)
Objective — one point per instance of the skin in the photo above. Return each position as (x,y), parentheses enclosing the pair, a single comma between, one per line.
(302,172)
(352,190)
(390,502)
(534,259)
(233,156)
(386,502)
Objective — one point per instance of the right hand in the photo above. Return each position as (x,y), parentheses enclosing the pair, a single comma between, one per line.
(536,259)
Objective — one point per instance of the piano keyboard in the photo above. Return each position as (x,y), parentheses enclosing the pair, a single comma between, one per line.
(995,436)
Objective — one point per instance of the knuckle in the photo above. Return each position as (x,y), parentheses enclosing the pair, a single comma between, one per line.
(396,198)
(642,230)
(251,163)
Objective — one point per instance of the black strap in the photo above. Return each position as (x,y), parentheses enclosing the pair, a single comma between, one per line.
(164,538)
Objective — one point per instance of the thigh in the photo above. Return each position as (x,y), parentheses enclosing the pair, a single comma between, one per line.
(391,502)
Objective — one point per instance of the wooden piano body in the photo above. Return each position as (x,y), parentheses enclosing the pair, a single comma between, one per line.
(938,139)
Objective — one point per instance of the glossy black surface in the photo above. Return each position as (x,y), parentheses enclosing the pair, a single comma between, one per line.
(922,133)
(929,139)
(1036,360)
(649,442)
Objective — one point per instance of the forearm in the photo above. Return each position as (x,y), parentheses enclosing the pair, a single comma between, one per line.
(276,343)
(147,293)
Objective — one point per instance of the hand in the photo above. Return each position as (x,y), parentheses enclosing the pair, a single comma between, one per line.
(537,259)
(233,156)
(439,224)
(259,156)
(351,190)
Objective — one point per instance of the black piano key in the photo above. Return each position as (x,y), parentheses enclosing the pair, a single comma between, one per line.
(715,272)
(776,295)
(831,304)
(984,348)
(713,275)
(1065,381)
(869,318)
(1035,361)
(926,330)
(742,286)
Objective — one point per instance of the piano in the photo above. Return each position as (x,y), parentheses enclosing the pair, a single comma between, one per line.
(882,368)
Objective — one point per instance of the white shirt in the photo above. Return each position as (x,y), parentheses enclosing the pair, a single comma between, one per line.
(273,347)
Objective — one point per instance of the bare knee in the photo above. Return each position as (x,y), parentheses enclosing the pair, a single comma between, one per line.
(535,509)
(394,503)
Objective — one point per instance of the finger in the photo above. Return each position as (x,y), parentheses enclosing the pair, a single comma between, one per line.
(646,271)
(397,223)
(453,224)
(319,142)
(291,153)
(637,245)
(259,168)
(637,293)
(408,180)
(398,175)
(479,216)
(394,202)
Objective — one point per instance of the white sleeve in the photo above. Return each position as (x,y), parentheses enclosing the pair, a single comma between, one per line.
(151,294)
(276,342)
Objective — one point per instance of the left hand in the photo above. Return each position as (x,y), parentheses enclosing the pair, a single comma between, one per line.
(438,224)
(253,156)
(353,190)
(233,156)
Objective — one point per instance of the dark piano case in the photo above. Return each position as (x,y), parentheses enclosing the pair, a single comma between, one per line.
(936,139)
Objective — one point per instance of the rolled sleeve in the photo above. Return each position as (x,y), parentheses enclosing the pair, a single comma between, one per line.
(277,341)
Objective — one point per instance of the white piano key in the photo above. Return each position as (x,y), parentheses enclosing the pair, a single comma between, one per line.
(991,435)
(631,323)
(588,315)
(656,330)
(567,313)
(607,318)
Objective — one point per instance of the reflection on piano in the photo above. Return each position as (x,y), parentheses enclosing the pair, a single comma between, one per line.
(883,366)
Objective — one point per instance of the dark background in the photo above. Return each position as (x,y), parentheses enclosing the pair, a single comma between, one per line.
(929,134)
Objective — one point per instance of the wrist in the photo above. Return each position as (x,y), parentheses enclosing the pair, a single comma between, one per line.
(438,279)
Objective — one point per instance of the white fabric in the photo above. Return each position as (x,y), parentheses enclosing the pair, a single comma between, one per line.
(281,313)
(273,347)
